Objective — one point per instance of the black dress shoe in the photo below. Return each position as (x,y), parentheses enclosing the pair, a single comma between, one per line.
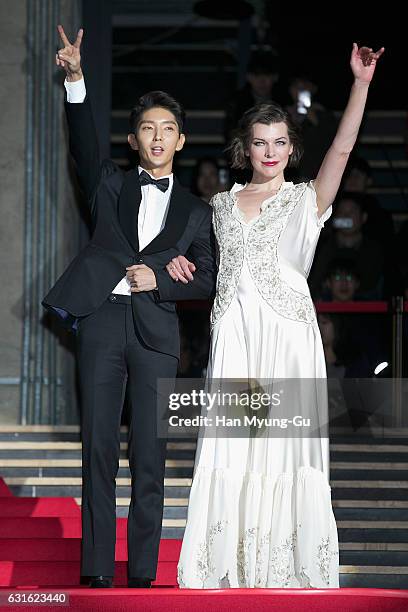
(139,583)
(101,582)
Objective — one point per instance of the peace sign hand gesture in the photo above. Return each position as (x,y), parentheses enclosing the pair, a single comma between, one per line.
(69,58)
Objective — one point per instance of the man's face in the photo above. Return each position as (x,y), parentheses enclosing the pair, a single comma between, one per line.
(298,85)
(261,84)
(157,138)
(343,286)
(357,180)
(348,209)
(208,181)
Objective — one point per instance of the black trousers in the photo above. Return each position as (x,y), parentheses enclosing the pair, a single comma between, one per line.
(110,356)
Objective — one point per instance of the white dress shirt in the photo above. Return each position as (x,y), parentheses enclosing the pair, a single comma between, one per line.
(154,204)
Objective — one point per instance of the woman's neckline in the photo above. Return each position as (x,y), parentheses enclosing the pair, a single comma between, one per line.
(263,204)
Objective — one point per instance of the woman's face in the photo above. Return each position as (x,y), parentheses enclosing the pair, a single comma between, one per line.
(269,149)
(326,328)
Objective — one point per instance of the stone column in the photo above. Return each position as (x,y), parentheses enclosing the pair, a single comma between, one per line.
(40,222)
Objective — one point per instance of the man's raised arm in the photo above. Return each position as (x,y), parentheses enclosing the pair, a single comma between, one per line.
(83,141)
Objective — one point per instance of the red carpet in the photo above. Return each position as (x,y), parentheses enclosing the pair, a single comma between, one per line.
(40,544)
(4,490)
(54,573)
(38,506)
(69,549)
(40,550)
(232,600)
(49,527)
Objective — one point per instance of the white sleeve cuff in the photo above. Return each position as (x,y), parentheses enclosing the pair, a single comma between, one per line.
(327,213)
(76,90)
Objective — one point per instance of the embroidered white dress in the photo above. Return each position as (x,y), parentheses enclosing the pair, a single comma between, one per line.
(260,512)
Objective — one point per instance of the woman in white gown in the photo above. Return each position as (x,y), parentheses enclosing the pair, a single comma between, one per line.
(260,512)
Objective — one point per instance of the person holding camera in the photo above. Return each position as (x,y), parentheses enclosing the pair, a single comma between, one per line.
(348,241)
(318,126)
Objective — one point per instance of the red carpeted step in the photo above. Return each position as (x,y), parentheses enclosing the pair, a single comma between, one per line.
(53,527)
(4,490)
(38,506)
(240,600)
(69,549)
(224,600)
(40,527)
(48,573)
(50,527)
(47,549)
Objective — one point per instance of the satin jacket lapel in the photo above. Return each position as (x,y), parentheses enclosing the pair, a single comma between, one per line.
(176,221)
(128,207)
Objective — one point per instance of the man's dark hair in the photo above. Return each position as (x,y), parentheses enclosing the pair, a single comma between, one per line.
(155,99)
(358,163)
(343,265)
(360,199)
(197,169)
(263,62)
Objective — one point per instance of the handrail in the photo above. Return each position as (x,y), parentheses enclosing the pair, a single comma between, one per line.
(364,307)
(352,306)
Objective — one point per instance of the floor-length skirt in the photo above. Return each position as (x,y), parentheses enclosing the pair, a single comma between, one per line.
(260,511)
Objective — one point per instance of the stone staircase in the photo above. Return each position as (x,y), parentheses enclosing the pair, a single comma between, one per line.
(369,480)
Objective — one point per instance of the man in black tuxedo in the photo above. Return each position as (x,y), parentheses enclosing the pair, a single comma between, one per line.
(119,298)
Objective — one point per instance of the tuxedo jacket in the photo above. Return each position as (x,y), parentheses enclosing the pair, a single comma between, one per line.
(113,197)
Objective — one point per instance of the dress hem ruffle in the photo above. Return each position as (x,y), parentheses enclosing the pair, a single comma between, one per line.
(277,531)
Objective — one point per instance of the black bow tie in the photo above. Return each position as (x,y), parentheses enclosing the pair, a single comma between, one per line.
(146,179)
